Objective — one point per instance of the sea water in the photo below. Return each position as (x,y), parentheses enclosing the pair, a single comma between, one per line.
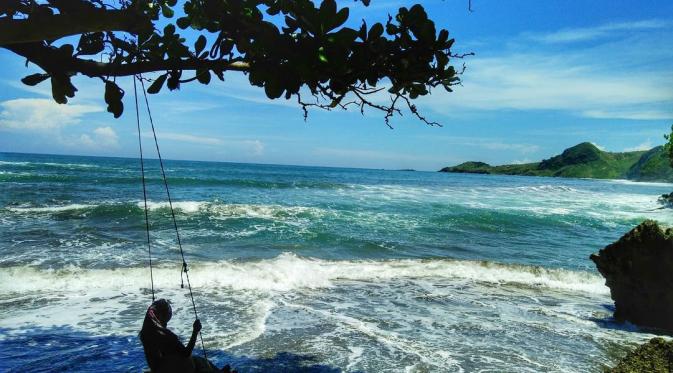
(310,268)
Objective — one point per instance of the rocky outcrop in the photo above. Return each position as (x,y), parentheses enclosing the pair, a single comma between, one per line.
(655,356)
(666,199)
(638,269)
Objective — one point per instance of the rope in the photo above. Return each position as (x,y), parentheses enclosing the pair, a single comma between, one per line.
(142,171)
(170,204)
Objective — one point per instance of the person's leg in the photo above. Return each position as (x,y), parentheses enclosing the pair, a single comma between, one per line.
(205,366)
(202,365)
(176,364)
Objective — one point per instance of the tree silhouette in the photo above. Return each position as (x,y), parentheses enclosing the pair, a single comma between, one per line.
(292,48)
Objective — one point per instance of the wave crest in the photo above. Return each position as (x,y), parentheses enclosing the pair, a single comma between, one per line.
(288,272)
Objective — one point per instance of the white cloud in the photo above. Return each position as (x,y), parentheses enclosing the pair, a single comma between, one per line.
(570,35)
(521,148)
(350,154)
(256,146)
(250,147)
(553,81)
(647,145)
(101,137)
(186,138)
(599,147)
(523,161)
(106,136)
(629,114)
(34,114)
(485,143)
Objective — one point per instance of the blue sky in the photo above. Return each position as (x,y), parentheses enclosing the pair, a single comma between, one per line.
(546,75)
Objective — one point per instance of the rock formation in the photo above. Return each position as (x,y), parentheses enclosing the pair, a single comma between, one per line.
(639,272)
(666,199)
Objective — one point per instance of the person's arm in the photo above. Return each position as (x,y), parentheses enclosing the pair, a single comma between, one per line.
(192,341)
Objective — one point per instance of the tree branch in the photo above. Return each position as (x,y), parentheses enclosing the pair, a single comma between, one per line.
(32,29)
(51,60)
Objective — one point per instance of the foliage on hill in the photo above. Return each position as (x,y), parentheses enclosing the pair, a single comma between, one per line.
(585,160)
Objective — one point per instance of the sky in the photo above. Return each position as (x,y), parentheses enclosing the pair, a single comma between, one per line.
(546,75)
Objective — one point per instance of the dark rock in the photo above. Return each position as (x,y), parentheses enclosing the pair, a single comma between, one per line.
(655,356)
(638,269)
(667,199)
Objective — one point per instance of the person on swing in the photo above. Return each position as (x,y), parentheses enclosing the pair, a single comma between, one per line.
(164,351)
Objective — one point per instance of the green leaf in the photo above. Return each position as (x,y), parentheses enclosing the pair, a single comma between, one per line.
(200,44)
(169,30)
(376,31)
(443,36)
(167,11)
(203,76)
(340,18)
(158,83)
(219,73)
(173,81)
(113,98)
(363,31)
(327,9)
(90,43)
(183,22)
(34,79)
(62,88)
(273,89)
(321,55)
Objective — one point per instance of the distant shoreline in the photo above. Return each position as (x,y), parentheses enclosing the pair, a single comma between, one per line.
(585,161)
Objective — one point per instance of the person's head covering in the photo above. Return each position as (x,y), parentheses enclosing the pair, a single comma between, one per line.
(159,313)
(155,328)
(163,311)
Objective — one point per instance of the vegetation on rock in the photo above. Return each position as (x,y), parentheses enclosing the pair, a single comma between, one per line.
(655,356)
(585,160)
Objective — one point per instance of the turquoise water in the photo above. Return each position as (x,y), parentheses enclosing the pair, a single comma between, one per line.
(324,269)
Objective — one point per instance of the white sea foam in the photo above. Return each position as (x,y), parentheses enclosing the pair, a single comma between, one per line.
(48,209)
(289,272)
(51,164)
(631,182)
(222,211)
(188,207)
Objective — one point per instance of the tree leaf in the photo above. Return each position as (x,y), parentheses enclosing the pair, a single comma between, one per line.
(113,98)
(375,32)
(90,43)
(340,18)
(321,55)
(183,22)
(167,11)
(34,79)
(200,44)
(158,83)
(203,76)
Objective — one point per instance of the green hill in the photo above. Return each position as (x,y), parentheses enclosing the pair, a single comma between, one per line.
(585,160)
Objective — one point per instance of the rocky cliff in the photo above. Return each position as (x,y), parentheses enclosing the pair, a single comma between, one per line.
(638,269)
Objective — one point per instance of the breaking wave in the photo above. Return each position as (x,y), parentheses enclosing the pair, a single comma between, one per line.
(289,272)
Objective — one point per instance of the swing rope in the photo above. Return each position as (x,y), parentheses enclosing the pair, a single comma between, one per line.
(142,171)
(170,204)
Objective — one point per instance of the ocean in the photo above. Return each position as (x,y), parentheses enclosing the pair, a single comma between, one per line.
(312,269)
